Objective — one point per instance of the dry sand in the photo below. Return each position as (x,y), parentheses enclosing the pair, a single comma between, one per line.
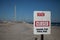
(24,31)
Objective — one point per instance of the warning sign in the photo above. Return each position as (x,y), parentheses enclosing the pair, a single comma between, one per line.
(42,22)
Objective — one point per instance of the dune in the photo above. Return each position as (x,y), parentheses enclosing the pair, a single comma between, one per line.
(24,31)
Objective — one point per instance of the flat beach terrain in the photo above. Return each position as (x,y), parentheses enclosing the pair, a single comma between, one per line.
(24,31)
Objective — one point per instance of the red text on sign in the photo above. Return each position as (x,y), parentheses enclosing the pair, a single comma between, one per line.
(40,14)
(42,23)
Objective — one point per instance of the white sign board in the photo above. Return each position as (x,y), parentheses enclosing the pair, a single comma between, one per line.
(42,22)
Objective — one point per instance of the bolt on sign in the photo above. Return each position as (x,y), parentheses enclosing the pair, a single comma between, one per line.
(42,22)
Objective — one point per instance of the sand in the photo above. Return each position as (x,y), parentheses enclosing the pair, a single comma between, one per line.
(24,31)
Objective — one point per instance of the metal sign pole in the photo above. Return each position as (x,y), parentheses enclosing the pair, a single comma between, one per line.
(42,37)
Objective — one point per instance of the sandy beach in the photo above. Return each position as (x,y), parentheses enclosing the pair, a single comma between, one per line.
(24,31)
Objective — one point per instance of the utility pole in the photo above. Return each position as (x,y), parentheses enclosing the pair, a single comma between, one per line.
(15,13)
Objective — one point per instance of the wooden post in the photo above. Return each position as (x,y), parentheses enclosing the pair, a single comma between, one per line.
(42,37)
(35,38)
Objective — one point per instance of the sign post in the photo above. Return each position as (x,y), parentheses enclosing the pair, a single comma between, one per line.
(42,37)
(42,23)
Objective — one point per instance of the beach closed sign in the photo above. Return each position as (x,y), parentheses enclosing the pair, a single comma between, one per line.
(42,22)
